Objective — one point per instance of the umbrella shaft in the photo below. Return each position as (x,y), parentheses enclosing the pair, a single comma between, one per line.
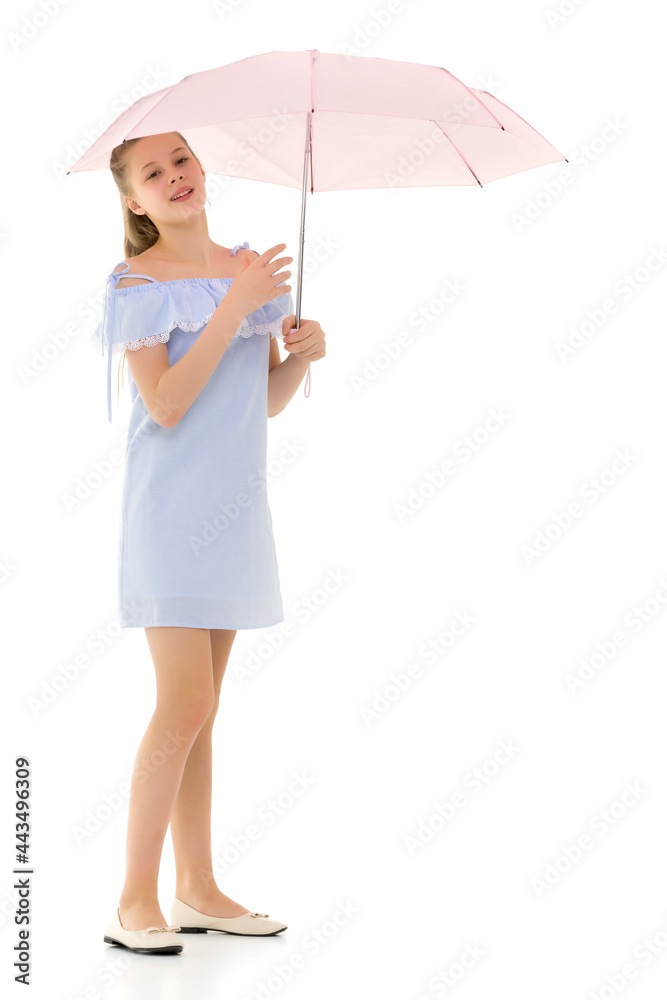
(306,171)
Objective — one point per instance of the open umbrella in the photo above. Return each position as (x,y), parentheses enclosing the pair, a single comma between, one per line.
(320,121)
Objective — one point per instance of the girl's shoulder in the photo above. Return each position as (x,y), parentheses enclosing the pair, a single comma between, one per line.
(146,268)
(138,270)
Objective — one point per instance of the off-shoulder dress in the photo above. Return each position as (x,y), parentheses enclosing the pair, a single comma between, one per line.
(196,545)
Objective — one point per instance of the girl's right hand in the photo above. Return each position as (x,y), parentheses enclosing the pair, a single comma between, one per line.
(256,285)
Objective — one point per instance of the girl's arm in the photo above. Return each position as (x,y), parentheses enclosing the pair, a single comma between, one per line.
(304,345)
(284,379)
(168,391)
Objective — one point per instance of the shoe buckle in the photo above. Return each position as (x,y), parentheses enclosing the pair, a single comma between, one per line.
(259,914)
(171,927)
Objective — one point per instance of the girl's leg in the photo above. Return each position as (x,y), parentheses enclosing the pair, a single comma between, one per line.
(191,815)
(184,697)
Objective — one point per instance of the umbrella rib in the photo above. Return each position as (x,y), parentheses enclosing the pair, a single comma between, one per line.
(168,91)
(523,138)
(458,151)
(475,99)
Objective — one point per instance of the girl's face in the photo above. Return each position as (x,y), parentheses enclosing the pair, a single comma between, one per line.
(159,168)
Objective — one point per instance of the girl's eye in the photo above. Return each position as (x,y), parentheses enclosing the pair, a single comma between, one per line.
(155,171)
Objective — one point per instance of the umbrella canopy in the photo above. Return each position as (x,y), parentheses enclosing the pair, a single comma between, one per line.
(370,119)
(320,121)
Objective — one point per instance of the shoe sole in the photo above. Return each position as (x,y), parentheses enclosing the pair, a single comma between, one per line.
(171,949)
(216,930)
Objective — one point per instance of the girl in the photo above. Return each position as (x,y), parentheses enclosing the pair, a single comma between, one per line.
(196,558)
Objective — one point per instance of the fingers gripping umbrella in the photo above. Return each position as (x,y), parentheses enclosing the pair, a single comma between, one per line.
(320,121)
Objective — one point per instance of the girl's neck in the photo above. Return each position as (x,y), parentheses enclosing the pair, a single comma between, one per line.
(191,247)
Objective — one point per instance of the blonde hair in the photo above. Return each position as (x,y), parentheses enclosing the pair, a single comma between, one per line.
(140,232)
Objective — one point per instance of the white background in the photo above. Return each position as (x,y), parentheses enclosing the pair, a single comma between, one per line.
(536,258)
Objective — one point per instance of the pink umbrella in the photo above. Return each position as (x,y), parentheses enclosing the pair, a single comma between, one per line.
(326,122)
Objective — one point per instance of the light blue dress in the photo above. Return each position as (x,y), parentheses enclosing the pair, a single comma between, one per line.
(196,546)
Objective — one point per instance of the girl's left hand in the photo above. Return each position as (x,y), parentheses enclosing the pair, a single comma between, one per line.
(307,342)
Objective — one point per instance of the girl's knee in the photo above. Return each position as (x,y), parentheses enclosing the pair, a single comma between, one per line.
(191,711)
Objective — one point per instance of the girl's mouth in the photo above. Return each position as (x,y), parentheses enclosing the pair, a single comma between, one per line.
(182,197)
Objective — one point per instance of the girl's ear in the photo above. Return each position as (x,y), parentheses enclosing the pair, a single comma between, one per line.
(133,206)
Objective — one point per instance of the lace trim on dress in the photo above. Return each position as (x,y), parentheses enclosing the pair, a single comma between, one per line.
(260,328)
(161,338)
(134,345)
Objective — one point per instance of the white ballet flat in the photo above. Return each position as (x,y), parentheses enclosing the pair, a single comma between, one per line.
(151,941)
(193,921)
